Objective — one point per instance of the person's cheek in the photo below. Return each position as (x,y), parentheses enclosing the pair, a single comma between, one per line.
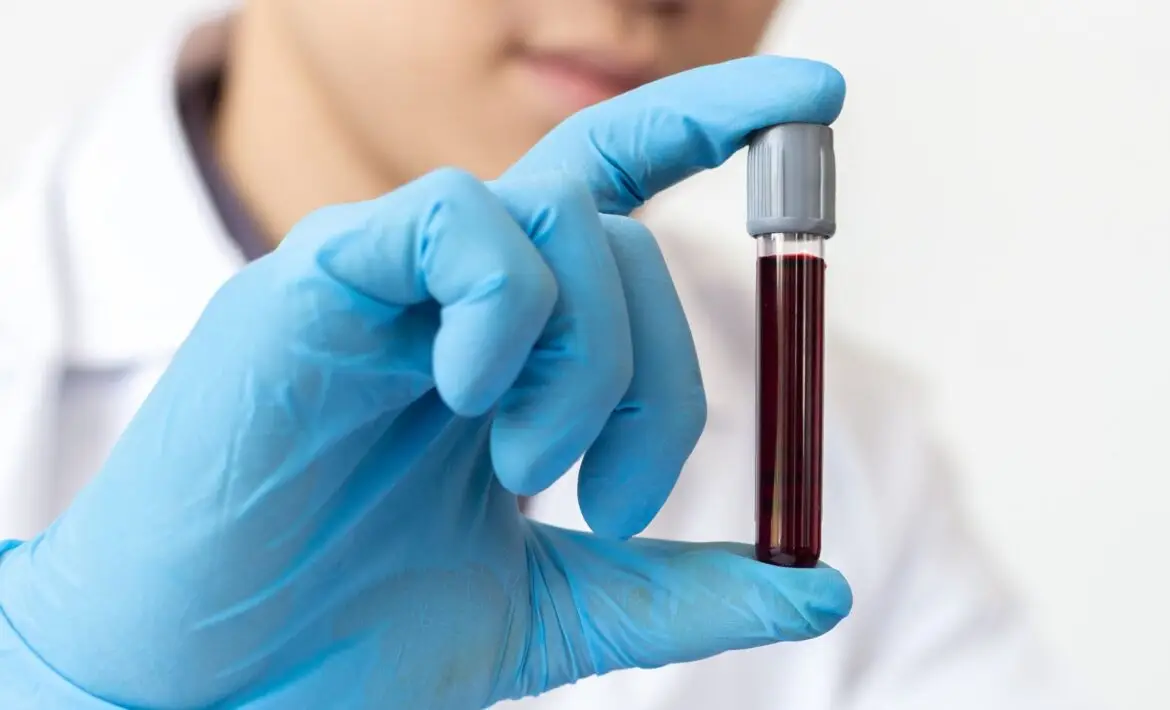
(721,30)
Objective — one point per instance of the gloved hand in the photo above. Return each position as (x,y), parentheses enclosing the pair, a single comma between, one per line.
(316,506)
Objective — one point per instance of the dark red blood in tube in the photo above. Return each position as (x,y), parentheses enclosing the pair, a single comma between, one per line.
(791,312)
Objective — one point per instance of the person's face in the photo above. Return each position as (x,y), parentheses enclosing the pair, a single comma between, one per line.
(475,83)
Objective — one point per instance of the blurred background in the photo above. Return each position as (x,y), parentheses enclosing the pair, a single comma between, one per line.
(1004,231)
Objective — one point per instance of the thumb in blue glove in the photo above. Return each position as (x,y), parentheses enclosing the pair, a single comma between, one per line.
(316,505)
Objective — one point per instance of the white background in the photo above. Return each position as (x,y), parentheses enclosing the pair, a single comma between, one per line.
(1005,229)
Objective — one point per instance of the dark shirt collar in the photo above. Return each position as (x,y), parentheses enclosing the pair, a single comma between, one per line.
(198,98)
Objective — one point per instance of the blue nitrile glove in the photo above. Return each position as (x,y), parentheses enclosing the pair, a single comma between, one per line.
(316,507)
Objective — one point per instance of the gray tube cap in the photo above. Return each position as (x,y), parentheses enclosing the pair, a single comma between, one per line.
(792,181)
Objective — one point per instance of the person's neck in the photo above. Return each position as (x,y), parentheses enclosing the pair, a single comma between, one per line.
(277,139)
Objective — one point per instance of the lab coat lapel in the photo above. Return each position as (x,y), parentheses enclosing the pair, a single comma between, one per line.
(112,250)
(31,343)
(138,217)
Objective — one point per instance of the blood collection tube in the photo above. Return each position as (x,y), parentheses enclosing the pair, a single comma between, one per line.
(791,213)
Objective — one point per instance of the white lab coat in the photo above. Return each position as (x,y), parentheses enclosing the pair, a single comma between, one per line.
(110,247)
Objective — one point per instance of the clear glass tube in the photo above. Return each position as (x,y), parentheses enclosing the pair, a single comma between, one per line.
(790,317)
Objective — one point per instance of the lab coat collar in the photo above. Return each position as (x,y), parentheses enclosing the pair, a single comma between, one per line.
(145,246)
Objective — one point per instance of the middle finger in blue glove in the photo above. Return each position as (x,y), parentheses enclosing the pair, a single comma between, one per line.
(582,363)
(631,469)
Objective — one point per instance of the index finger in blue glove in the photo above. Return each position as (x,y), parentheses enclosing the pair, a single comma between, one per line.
(582,363)
(629,148)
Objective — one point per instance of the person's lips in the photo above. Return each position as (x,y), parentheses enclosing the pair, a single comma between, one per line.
(578,80)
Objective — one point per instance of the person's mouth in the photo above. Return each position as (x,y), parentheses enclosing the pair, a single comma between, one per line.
(574,81)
